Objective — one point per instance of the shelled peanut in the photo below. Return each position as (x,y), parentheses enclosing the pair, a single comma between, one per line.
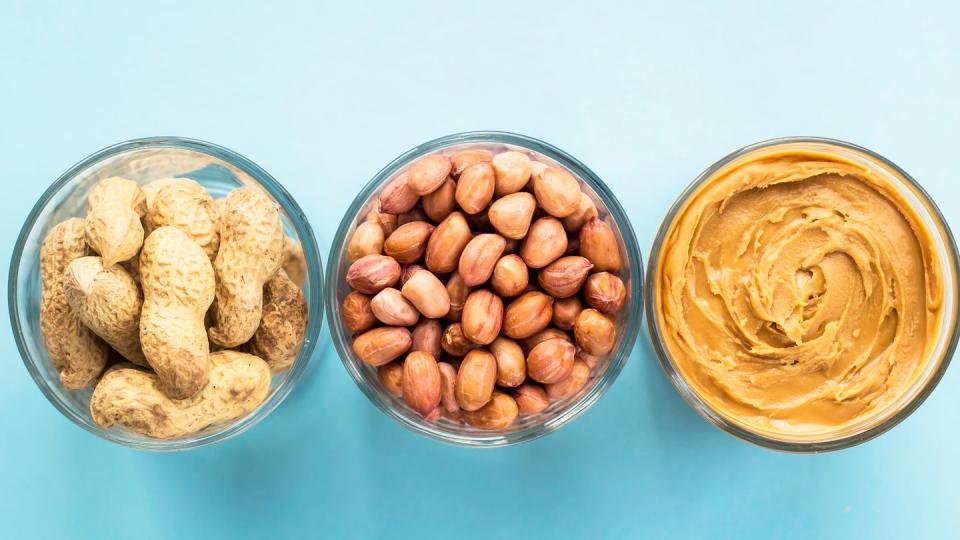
(483,287)
(162,274)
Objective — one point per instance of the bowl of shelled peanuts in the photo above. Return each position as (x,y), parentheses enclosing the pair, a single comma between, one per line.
(484,289)
(165,293)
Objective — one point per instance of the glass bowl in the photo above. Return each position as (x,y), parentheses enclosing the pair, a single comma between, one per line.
(875,423)
(143,160)
(527,427)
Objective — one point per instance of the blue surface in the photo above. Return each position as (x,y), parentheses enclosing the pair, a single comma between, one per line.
(322,96)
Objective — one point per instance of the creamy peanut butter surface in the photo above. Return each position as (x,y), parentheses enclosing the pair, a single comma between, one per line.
(798,292)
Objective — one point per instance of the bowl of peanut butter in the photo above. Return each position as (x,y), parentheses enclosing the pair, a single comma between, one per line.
(803,294)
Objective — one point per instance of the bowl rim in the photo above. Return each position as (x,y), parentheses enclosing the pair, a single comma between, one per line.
(314,280)
(619,358)
(693,399)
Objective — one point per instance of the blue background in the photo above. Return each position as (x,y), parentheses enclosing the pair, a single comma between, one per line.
(324,94)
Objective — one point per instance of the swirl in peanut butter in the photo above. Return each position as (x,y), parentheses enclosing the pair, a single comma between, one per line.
(799,292)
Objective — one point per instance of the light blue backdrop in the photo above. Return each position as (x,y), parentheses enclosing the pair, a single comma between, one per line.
(324,95)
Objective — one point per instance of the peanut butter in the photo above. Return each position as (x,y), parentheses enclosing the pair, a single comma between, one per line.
(799,292)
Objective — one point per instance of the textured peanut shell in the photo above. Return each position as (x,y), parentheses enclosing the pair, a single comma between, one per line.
(108,301)
(294,263)
(283,325)
(133,268)
(132,398)
(75,351)
(186,205)
(150,190)
(218,205)
(178,284)
(251,251)
(113,227)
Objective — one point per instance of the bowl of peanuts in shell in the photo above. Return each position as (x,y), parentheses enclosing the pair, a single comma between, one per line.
(484,289)
(165,293)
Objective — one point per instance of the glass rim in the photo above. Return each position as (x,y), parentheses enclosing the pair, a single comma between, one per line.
(314,276)
(618,358)
(693,399)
